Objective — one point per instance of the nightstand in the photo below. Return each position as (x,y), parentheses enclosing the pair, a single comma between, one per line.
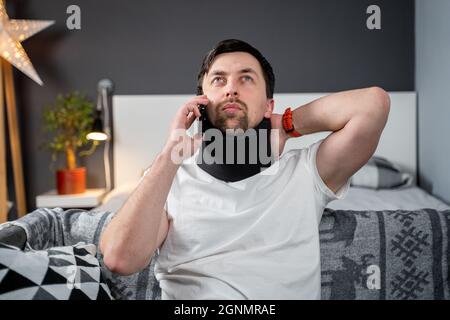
(89,199)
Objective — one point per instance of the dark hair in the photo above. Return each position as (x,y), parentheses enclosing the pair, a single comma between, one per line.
(234,45)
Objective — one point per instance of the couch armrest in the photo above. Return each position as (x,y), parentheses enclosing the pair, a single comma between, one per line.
(46,228)
(13,235)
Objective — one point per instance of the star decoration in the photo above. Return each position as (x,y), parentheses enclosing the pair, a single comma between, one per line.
(12,33)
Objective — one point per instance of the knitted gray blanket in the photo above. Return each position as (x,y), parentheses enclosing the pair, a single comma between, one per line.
(364,254)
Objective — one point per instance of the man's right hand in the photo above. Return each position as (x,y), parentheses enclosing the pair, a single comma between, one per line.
(179,144)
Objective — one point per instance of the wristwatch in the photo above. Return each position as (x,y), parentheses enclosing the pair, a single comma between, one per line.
(288,126)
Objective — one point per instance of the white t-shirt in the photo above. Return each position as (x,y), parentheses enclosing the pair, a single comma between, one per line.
(257,238)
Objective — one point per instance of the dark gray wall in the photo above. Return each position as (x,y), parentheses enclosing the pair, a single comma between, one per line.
(155,47)
(432,83)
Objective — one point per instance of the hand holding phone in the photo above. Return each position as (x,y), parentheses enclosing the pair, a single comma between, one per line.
(181,122)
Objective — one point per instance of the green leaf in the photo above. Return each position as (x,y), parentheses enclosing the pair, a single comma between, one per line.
(67,122)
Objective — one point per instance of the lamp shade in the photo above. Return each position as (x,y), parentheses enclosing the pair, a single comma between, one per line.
(97,133)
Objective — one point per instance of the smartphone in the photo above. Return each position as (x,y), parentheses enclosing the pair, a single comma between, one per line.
(202,119)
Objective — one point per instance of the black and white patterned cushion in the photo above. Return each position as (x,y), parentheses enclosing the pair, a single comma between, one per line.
(59,273)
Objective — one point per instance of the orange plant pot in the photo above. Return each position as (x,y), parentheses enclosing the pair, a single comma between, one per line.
(71,181)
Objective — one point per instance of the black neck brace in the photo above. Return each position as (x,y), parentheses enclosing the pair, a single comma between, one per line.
(257,158)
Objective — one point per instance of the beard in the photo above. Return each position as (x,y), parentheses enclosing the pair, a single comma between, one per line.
(223,118)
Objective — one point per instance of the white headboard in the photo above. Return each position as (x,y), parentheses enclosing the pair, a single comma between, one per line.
(140,124)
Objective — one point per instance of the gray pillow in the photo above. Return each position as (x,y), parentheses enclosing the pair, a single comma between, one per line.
(380,173)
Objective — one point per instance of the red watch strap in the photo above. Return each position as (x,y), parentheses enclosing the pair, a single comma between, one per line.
(288,125)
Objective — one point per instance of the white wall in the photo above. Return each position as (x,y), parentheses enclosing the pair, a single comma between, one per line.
(433,88)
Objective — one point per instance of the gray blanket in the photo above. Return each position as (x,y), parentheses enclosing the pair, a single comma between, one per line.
(364,254)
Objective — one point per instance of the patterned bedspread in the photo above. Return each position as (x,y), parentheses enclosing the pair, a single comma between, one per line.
(364,254)
(385,254)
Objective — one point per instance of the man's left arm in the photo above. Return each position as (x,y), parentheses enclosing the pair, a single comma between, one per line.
(357,119)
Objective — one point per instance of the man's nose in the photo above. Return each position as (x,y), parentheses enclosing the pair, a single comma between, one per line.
(231,90)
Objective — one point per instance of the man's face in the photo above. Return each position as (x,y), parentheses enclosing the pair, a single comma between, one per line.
(236,89)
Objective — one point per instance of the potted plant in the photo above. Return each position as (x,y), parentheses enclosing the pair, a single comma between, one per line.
(69,120)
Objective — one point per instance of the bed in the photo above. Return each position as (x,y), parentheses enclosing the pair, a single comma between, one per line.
(410,198)
(376,243)
(136,143)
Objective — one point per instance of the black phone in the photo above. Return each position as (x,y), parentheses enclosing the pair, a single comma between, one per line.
(202,119)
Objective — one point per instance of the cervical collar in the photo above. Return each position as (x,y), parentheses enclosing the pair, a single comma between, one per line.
(252,152)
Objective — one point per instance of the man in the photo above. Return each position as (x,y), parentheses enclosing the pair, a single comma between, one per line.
(256,236)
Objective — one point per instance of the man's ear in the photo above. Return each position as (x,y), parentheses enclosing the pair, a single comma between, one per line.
(269,108)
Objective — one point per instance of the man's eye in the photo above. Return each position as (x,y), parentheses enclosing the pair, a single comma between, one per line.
(216,78)
(248,77)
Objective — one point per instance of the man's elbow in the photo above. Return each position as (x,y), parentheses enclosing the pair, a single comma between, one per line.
(382,99)
(120,265)
(380,104)
(117,263)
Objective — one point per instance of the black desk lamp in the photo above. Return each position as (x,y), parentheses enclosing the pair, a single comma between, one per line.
(101,130)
